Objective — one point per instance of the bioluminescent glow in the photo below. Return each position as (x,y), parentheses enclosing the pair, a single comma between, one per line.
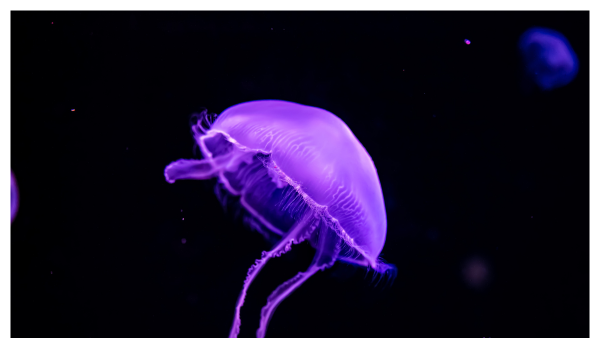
(468,42)
(300,174)
(548,58)
(476,272)
(14,197)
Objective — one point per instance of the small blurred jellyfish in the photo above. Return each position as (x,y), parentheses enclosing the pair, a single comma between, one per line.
(548,58)
(14,197)
(476,273)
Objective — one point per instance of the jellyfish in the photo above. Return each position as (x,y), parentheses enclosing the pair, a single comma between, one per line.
(301,174)
(548,58)
(14,197)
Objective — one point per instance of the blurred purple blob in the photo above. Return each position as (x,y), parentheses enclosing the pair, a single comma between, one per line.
(548,58)
(14,197)
(300,174)
(183,241)
(468,42)
(476,272)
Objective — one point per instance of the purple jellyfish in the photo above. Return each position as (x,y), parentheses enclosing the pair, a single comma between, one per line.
(300,174)
(14,197)
(548,58)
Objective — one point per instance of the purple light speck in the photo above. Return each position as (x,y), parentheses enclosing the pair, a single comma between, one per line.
(467,41)
(260,151)
(183,240)
(72,109)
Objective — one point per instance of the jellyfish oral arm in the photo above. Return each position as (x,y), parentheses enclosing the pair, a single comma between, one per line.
(266,223)
(190,170)
(328,249)
(202,169)
(296,235)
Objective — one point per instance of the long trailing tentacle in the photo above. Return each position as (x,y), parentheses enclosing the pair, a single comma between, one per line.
(327,251)
(299,233)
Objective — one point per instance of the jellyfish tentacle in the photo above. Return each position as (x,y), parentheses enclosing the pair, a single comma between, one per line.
(327,251)
(297,234)
(387,272)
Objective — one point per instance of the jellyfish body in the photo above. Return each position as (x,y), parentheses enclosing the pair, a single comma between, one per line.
(302,175)
(14,197)
(548,58)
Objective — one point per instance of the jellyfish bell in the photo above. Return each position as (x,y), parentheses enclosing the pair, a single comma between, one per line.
(301,174)
(548,58)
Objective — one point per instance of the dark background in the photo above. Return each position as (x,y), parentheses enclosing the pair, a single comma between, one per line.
(472,166)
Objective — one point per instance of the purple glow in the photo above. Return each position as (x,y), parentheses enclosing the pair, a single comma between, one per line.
(14,197)
(476,272)
(72,109)
(468,42)
(548,58)
(183,240)
(300,174)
